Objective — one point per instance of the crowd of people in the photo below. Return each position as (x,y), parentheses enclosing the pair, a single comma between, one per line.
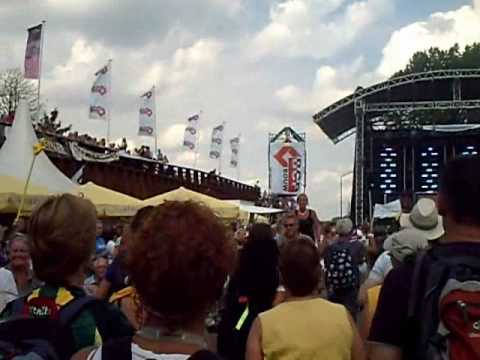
(175,282)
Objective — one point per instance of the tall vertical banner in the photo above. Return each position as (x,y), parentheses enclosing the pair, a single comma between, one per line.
(216,146)
(147,116)
(33,52)
(287,167)
(100,94)
(235,149)
(191,132)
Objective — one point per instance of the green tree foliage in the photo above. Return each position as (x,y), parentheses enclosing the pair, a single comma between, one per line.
(436,59)
(430,60)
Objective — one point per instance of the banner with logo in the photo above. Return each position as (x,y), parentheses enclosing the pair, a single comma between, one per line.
(287,167)
(100,94)
(191,132)
(81,154)
(235,148)
(216,146)
(147,117)
(32,52)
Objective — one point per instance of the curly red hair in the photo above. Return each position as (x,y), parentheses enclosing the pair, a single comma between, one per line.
(179,260)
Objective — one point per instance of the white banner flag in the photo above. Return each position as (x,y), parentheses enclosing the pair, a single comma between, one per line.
(147,117)
(235,147)
(191,131)
(100,94)
(287,167)
(217,142)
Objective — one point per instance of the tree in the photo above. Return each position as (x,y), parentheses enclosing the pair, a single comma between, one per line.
(14,86)
(430,60)
(437,59)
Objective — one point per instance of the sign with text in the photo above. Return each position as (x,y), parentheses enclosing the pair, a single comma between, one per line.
(287,167)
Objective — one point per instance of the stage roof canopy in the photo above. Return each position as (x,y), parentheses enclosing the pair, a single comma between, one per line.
(441,90)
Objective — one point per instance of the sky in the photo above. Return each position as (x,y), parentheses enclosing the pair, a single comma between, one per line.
(258,65)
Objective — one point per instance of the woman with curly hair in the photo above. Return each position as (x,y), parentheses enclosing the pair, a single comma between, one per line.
(251,290)
(178,262)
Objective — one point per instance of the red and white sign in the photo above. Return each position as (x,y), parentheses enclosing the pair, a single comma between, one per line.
(100,94)
(287,168)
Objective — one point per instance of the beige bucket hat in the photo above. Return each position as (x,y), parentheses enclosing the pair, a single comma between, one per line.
(424,218)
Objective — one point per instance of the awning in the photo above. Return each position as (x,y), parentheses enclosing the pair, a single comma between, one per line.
(109,203)
(222,208)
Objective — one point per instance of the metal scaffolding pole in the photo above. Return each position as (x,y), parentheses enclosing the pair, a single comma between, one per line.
(359,161)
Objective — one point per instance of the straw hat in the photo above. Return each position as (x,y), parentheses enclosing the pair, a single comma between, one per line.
(424,218)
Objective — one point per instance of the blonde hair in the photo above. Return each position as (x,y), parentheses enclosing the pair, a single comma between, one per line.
(62,237)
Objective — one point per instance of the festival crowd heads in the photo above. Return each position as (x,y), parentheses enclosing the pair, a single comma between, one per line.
(175,283)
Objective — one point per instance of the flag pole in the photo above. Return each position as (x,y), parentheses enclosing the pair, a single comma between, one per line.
(42,35)
(109,67)
(154,95)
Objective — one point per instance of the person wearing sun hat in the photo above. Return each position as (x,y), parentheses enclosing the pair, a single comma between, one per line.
(401,247)
(404,245)
(424,218)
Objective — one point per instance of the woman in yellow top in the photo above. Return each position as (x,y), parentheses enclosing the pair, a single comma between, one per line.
(305,326)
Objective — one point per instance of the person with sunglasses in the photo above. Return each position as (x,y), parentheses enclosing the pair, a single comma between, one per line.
(291,230)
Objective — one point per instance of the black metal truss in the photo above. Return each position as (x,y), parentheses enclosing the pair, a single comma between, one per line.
(361,93)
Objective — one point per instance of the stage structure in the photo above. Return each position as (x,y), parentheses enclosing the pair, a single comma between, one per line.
(287,159)
(406,129)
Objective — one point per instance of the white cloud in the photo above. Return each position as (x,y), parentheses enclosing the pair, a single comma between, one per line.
(172,136)
(309,27)
(441,30)
(330,84)
(187,64)
(232,7)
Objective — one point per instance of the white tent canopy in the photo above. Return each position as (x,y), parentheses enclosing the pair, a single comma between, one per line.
(16,156)
(250,208)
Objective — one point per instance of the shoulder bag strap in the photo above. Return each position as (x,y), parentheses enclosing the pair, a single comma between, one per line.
(413,300)
(18,306)
(74,308)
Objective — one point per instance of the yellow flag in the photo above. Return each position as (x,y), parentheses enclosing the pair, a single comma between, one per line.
(39,147)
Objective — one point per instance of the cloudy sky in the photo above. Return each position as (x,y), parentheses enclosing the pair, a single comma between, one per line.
(257,64)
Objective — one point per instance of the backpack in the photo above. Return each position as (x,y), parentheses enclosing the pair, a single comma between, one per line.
(341,269)
(121,349)
(40,338)
(448,308)
(342,277)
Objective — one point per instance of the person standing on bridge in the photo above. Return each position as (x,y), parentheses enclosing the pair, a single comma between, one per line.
(308,220)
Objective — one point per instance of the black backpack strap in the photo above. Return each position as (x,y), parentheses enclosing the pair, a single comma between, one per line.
(18,306)
(414,294)
(118,349)
(204,355)
(74,308)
